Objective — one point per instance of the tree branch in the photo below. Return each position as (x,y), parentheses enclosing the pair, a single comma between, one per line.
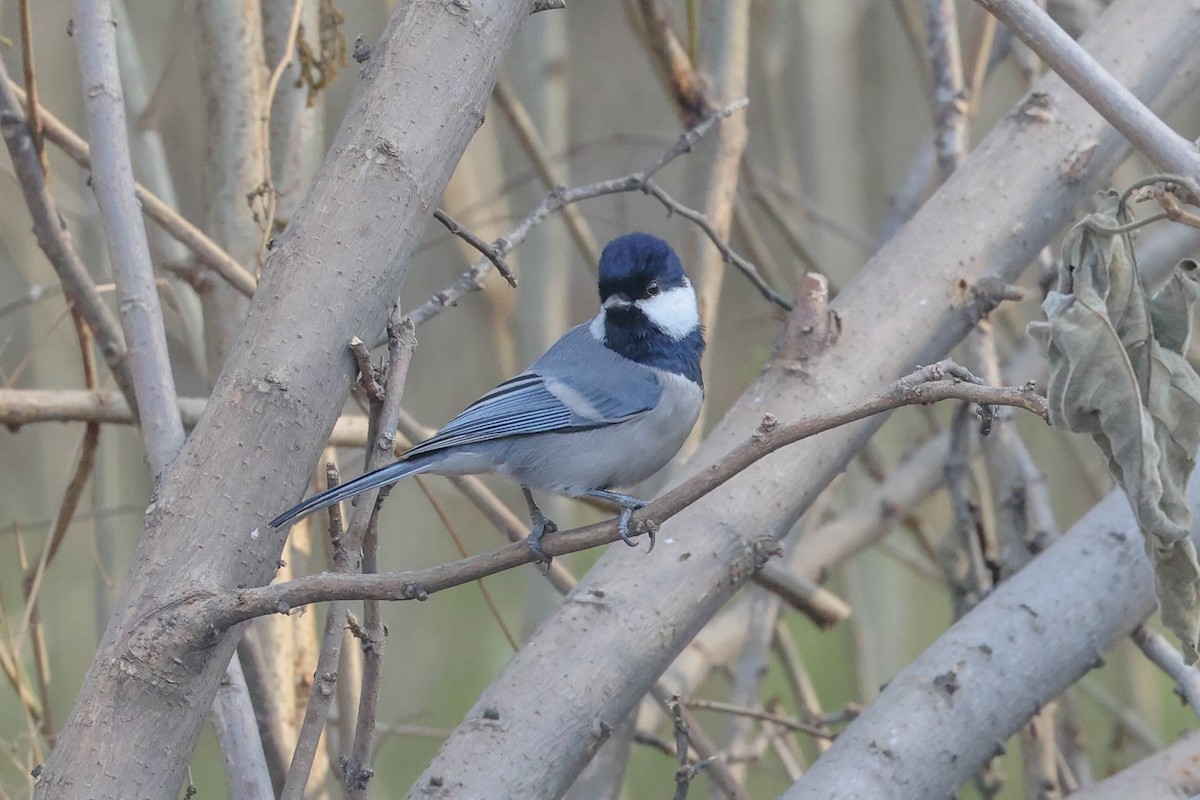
(129,250)
(558,199)
(51,233)
(925,284)
(926,385)
(1166,149)
(208,252)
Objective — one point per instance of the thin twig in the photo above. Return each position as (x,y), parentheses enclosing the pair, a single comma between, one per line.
(687,771)
(1167,658)
(692,735)
(555,201)
(949,105)
(402,341)
(209,253)
(55,242)
(31,104)
(493,607)
(490,251)
(286,57)
(754,713)
(324,683)
(535,149)
(923,386)
(727,253)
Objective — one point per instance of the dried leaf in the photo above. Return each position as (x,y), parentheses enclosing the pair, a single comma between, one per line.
(1117,372)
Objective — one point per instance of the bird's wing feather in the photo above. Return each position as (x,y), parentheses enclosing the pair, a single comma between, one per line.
(578,384)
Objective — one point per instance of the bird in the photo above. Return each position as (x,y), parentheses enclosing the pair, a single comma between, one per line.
(606,406)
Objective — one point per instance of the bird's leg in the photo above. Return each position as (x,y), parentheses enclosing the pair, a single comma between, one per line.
(628,505)
(541,526)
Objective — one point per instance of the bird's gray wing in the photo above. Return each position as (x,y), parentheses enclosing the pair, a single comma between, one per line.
(578,384)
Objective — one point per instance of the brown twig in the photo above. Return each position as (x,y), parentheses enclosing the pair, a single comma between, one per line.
(324,684)
(803,692)
(674,64)
(535,149)
(55,242)
(472,279)
(208,252)
(923,386)
(462,551)
(31,105)
(754,713)
(490,251)
(402,341)
(287,55)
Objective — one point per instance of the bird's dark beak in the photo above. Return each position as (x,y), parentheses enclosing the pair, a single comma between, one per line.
(617,300)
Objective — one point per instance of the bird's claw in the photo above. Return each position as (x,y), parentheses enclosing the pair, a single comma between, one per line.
(541,526)
(623,527)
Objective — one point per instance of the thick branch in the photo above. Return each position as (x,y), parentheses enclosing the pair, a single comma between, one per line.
(1169,151)
(141,707)
(1084,593)
(922,284)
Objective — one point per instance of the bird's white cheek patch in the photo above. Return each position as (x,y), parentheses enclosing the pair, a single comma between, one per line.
(597,326)
(673,311)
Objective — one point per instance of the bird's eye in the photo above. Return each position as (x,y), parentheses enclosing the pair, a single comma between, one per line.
(653,290)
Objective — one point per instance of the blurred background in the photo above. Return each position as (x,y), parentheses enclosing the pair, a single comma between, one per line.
(840,129)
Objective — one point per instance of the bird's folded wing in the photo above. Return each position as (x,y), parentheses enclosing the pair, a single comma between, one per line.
(598,389)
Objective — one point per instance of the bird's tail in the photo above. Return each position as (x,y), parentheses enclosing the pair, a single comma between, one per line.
(371,480)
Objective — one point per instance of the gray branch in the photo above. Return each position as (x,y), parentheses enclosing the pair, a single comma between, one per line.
(1168,150)
(143,702)
(938,722)
(928,282)
(128,248)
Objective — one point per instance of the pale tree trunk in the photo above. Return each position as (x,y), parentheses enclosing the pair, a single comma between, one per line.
(152,681)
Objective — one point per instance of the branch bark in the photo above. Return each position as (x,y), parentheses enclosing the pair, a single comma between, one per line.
(941,719)
(128,247)
(1165,148)
(924,282)
(142,703)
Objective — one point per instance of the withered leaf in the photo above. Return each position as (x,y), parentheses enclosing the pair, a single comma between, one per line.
(1117,373)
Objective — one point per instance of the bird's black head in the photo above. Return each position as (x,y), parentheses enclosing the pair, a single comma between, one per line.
(648,307)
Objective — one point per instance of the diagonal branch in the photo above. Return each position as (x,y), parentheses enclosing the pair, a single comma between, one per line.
(562,197)
(52,236)
(208,252)
(942,381)
(1169,151)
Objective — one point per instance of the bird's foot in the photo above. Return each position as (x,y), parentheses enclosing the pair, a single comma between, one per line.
(626,517)
(541,526)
